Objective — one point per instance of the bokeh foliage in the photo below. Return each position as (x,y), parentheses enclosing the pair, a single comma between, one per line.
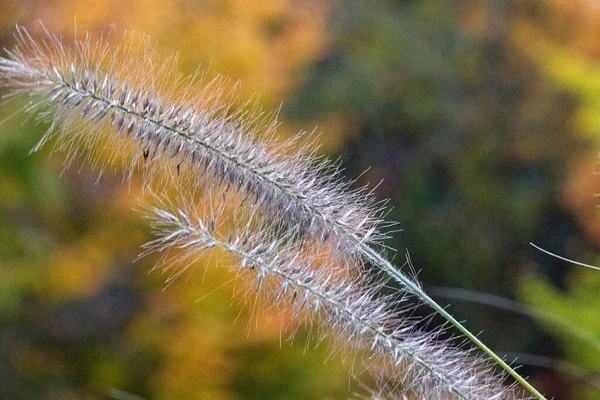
(481,118)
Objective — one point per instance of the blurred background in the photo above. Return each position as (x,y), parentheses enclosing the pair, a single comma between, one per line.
(481,118)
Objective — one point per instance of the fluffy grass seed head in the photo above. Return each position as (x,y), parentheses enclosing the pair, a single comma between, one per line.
(363,325)
(124,104)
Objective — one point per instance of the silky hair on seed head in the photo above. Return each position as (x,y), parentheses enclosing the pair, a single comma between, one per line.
(300,235)
(378,333)
(98,94)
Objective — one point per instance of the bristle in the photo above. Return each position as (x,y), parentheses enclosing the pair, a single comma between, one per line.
(122,105)
(129,88)
(404,358)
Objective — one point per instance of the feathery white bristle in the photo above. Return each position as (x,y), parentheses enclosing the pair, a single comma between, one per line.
(358,317)
(84,87)
(121,105)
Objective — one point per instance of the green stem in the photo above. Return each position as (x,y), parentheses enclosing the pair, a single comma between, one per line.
(406,281)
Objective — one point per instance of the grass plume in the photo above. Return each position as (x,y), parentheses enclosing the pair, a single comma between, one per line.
(125,106)
(298,278)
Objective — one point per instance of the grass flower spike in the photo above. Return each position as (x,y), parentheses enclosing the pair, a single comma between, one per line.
(297,278)
(122,105)
(132,89)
